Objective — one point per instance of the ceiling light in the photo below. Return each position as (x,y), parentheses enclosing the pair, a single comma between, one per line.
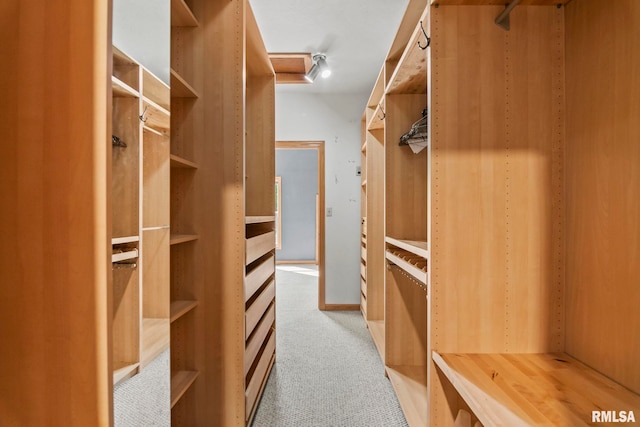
(319,67)
(325,71)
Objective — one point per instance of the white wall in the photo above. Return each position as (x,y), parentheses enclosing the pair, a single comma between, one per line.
(334,119)
(142,30)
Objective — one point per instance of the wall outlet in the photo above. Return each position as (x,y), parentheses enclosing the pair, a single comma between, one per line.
(329,211)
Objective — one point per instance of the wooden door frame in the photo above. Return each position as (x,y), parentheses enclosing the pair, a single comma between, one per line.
(319,147)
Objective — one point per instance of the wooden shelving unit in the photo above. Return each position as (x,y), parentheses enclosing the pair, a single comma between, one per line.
(186,317)
(140,217)
(490,220)
(222,188)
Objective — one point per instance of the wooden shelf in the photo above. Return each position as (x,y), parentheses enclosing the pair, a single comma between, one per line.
(177,239)
(409,262)
(124,240)
(377,120)
(123,371)
(533,389)
(180,88)
(376,328)
(156,90)
(123,256)
(152,130)
(179,162)
(410,75)
(419,248)
(180,383)
(155,339)
(181,15)
(258,219)
(410,385)
(155,116)
(180,308)
(122,90)
(364,183)
(364,147)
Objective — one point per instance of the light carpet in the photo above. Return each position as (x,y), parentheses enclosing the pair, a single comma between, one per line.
(328,372)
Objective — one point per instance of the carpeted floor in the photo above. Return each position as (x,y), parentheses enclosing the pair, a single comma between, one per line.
(327,371)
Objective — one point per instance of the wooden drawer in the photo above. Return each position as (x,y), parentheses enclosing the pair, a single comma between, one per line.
(256,310)
(256,277)
(257,340)
(259,376)
(363,271)
(259,245)
(363,287)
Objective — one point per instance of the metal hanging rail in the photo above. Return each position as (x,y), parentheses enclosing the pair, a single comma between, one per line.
(503,19)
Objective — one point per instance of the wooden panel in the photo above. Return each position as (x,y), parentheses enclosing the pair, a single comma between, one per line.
(258,276)
(125,168)
(410,385)
(603,183)
(363,287)
(125,326)
(496,207)
(497,181)
(524,389)
(260,375)
(375,219)
(259,245)
(363,271)
(405,321)
(256,310)
(155,273)
(258,339)
(376,328)
(155,180)
(260,145)
(54,298)
(155,339)
(405,172)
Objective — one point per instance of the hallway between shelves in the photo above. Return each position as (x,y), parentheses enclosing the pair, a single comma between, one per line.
(327,371)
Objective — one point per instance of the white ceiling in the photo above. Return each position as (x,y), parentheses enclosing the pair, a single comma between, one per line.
(354,34)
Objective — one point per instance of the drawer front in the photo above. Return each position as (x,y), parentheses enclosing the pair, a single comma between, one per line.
(260,305)
(259,245)
(256,277)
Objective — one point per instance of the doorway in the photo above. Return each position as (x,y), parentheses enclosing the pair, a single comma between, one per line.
(318,146)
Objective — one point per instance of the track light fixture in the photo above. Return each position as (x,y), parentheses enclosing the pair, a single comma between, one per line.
(319,67)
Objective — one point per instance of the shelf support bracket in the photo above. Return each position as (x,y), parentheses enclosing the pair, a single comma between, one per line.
(503,19)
